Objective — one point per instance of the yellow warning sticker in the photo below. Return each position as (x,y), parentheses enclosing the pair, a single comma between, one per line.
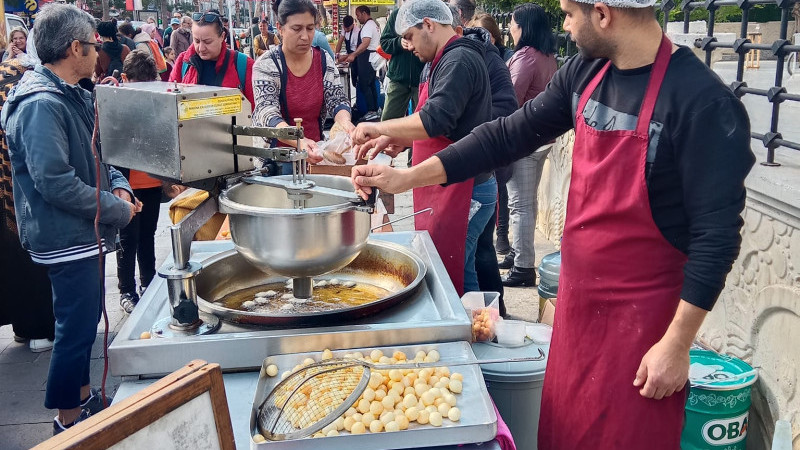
(208,107)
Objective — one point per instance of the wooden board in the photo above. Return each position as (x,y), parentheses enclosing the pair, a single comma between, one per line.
(185,409)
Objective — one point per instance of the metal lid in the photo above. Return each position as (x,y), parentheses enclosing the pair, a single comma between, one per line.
(712,371)
(511,372)
(261,200)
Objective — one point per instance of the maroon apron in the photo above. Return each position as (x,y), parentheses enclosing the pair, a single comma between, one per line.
(618,292)
(448,223)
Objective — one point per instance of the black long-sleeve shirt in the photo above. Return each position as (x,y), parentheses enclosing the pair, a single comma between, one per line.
(698,157)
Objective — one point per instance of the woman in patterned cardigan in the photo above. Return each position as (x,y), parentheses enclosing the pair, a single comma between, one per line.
(296,80)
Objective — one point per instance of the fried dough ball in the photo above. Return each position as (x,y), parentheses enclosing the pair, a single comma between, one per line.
(410,400)
(412,413)
(376,407)
(423,417)
(358,428)
(402,422)
(387,417)
(333,157)
(376,426)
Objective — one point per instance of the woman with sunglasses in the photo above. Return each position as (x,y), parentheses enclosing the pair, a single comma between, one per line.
(298,80)
(209,61)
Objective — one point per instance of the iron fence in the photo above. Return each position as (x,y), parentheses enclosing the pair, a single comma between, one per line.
(781,48)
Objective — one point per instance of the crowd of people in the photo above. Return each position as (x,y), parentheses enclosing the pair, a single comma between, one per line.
(478,119)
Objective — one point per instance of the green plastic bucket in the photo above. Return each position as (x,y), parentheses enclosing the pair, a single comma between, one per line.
(719,402)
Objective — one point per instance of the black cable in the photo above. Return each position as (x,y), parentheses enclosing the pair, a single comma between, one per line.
(101,268)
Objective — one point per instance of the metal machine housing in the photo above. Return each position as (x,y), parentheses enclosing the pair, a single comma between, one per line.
(183,132)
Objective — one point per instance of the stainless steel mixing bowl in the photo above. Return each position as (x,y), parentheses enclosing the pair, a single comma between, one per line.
(274,236)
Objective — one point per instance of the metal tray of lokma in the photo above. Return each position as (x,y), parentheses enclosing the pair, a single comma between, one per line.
(478,421)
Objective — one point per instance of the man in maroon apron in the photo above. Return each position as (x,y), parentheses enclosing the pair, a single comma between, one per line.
(653,219)
(454,97)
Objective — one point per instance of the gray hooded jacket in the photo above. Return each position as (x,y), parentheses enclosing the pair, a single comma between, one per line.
(49,127)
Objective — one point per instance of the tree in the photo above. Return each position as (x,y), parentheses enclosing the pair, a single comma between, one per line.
(164,11)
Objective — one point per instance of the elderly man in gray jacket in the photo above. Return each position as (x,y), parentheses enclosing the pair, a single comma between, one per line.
(49,120)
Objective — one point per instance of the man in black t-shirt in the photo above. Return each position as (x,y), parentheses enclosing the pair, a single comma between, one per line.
(653,219)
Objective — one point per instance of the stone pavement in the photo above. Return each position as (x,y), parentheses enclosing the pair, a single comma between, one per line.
(24,422)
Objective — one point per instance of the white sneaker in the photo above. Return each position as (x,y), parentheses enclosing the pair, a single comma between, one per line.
(41,345)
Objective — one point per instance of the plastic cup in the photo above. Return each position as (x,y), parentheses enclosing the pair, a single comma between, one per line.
(510,332)
(539,333)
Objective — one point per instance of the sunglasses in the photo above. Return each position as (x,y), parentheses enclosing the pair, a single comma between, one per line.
(208,17)
(97,45)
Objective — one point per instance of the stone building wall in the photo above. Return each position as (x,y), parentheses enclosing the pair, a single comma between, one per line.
(553,188)
(757,317)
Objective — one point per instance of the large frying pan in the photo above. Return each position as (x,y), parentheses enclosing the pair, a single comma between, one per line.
(383,264)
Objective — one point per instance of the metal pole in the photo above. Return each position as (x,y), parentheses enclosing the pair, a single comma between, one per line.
(250,20)
(711,18)
(743,35)
(230,21)
(776,104)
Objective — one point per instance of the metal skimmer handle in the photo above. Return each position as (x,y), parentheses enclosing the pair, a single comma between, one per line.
(422,365)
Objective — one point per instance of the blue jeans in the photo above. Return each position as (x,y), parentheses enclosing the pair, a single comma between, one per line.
(77,306)
(485,194)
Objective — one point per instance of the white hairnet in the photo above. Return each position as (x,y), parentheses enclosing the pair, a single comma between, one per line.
(414,11)
(622,3)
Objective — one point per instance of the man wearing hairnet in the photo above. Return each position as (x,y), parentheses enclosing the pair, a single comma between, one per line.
(454,98)
(661,152)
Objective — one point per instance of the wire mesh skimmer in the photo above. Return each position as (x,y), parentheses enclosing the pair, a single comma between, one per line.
(314,396)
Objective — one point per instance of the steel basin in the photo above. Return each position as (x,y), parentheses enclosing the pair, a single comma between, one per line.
(277,238)
(390,266)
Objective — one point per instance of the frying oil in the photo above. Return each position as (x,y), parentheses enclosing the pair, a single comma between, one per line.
(326,298)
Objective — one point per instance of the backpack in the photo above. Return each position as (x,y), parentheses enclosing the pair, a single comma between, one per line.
(114,64)
(241,69)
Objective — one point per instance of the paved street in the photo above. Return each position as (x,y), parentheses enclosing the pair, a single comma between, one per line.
(24,422)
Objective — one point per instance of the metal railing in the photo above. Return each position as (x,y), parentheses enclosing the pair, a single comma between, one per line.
(781,48)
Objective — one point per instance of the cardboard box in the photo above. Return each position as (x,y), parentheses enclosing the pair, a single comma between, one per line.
(548,312)
(342,171)
(326,168)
